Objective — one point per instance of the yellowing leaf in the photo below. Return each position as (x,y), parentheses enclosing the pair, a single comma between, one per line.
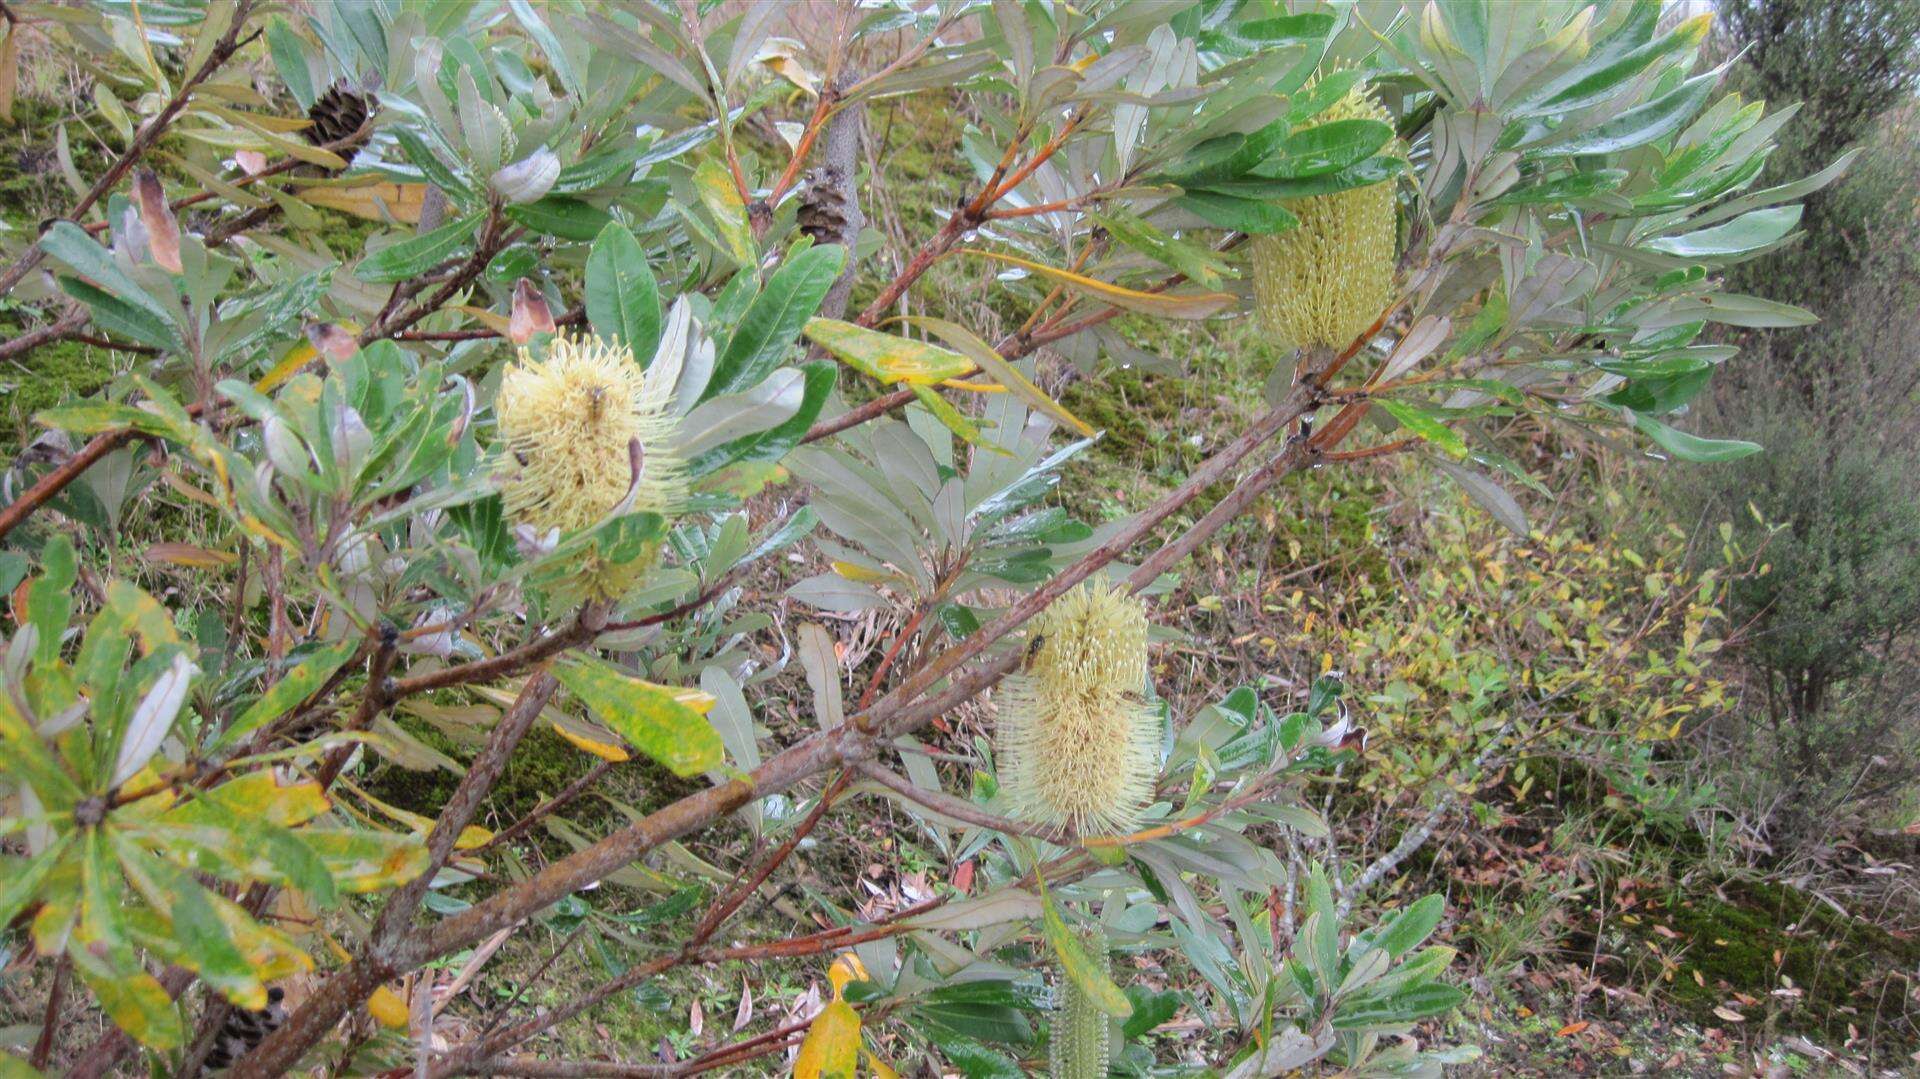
(133,999)
(847,968)
(492,320)
(722,199)
(374,201)
(1164,304)
(1006,374)
(363,861)
(879,1068)
(607,751)
(653,719)
(1079,965)
(885,356)
(862,574)
(388,1009)
(186,554)
(293,361)
(832,1047)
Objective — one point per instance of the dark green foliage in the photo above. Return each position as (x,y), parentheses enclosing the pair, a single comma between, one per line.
(1835,502)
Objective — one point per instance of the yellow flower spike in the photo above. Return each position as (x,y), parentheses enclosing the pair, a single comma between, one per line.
(1077,740)
(566,422)
(1324,282)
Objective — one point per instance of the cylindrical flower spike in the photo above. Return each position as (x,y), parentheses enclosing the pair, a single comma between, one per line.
(1078,743)
(569,423)
(1081,1046)
(1324,282)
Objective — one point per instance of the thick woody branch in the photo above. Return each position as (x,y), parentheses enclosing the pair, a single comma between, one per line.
(857,740)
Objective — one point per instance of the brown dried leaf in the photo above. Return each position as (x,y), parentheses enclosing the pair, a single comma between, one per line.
(163,229)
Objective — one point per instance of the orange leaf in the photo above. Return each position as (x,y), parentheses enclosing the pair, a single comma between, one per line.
(1571,1029)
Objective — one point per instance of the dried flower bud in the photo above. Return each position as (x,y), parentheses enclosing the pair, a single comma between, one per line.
(1078,743)
(528,178)
(1324,282)
(531,315)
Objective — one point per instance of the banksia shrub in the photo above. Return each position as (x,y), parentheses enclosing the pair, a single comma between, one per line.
(1082,1042)
(1078,743)
(568,423)
(1324,282)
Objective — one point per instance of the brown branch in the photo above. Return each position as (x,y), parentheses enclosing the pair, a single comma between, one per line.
(959,808)
(717,916)
(901,711)
(56,1001)
(396,918)
(65,326)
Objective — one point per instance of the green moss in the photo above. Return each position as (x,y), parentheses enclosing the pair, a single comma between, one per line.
(47,376)
(1847,969)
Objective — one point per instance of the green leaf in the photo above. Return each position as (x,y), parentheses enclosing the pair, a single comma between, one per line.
(774,319)
(1330,147)
(1150,1009)
(23,881)
(561,215)
(305,677)
(1692,447)
(411,258)
(1421,423)
(1256,217)
(1733,309)
(1636,127)
(117,316)
(646,715)
(775,442)
(1078,965)
(1570,188)
(1748,232)
(69,244)
(542,36)
(290,60)
(1411,927)
(1301,29)
(1408,1005)
(973,1060)
(50,597)
(623,302)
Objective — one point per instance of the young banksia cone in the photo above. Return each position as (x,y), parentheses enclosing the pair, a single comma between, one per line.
(1324,282)
(569,424)
(1081,1046)
(1078,744)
